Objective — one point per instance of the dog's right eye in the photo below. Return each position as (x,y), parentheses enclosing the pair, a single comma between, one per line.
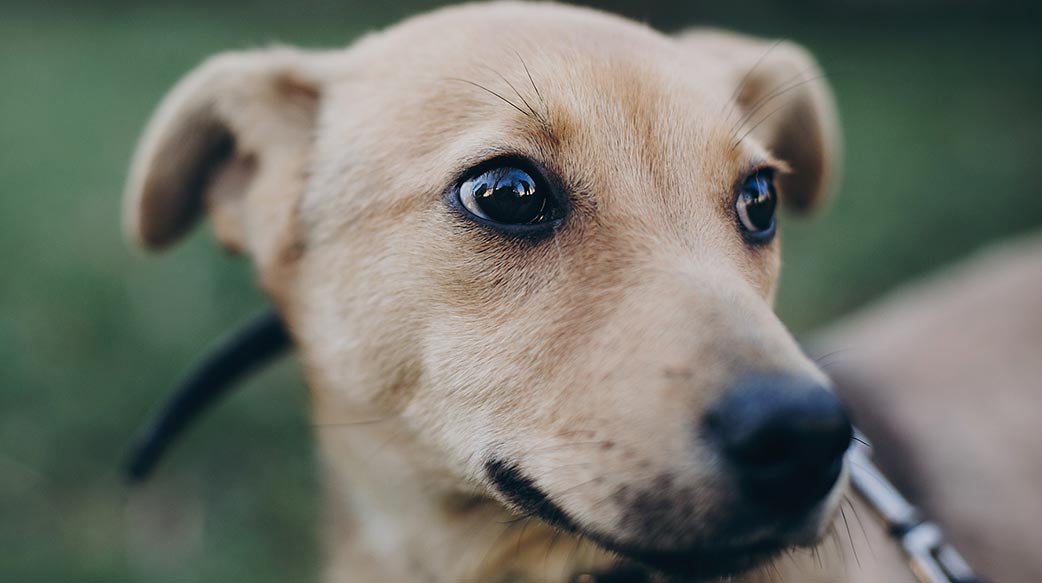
(755,206)
(506,195)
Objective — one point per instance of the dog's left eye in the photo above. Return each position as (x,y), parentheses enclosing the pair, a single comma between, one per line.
(756,204)
(505,195)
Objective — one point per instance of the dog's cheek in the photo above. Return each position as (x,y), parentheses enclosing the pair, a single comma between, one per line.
(353,306)
(760,266)
(768,270)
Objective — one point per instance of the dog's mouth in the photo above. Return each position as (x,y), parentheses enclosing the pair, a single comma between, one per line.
(708,560)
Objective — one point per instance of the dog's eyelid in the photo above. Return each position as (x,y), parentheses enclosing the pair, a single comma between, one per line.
(492,157)
(776,167)
(765,163)
(467,165)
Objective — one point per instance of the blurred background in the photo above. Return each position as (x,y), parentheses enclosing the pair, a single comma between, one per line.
(941,104)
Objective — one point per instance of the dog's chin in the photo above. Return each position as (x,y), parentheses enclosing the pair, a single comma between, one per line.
(705,563)
(721,558)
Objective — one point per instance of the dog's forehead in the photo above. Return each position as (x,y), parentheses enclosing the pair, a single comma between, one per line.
(535,55)
(612,103)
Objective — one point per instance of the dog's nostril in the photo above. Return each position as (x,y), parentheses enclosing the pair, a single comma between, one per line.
(785,436)
(790,431)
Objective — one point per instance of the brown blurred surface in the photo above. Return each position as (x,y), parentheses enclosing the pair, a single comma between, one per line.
(945,377)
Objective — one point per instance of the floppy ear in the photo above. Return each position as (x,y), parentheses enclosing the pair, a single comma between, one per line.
(233,137)
(785,102)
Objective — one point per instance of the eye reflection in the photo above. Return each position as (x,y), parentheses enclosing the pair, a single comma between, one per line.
(504,195)
(756,205)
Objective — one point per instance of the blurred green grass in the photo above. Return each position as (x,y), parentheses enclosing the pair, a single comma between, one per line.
(943,132)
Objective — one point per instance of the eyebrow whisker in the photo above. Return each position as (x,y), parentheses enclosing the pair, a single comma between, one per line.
(733,101)
(792,83)
(516,92)
(486,89)
(530,79)
(756,125)
(763,102)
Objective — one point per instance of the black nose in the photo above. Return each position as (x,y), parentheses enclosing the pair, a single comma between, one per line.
(784,438)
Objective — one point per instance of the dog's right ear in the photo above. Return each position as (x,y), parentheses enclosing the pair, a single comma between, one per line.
(784,101)
(234,137)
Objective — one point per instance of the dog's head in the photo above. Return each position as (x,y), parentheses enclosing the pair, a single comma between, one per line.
(545,239)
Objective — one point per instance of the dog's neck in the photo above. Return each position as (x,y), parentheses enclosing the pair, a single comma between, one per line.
(391,518)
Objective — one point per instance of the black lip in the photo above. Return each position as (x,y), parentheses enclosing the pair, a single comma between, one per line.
(522,492)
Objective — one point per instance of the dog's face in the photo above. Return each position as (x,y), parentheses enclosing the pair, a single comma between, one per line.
(544,239)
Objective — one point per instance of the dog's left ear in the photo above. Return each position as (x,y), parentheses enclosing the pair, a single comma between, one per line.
(232,138)
(782,96)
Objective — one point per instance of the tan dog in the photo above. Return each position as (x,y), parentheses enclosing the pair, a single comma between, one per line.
(527,254)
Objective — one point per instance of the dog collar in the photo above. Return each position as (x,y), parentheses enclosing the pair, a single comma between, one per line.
(260,340)
(931,558)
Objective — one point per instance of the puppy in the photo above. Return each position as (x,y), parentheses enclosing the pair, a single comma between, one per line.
(527,253)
